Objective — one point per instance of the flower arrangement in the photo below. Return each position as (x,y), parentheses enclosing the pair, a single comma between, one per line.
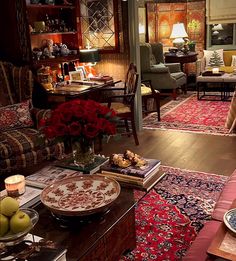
(80,120)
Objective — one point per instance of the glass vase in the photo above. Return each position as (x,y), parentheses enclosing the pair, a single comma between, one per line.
(83,153)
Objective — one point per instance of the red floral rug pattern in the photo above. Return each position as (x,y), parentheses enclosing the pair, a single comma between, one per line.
(169,217)
(186,113)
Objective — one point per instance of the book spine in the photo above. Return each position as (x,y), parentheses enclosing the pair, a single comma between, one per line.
(120,175)
(123,179)
(35,184)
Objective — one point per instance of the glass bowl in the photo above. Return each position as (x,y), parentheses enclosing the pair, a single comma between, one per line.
(12,239)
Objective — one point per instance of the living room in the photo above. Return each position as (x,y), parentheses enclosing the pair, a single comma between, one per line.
(184,211)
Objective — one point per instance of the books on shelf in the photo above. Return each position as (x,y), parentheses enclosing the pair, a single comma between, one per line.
(143,178)
(48,175)
(89,169)
(28,199)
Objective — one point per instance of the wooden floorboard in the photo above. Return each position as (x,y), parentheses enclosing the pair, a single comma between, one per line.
(201,152)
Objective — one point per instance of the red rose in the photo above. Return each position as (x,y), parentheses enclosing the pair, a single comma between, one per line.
(49,132)
(91,130)
(75,129)
(110,128)
(61,130)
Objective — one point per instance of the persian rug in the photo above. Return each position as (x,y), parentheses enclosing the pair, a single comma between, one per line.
(170,216)
(186,113)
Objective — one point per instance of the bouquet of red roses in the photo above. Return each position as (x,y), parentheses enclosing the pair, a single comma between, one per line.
(80,119)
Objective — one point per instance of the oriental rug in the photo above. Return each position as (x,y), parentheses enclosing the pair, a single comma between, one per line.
(188,114)
(170,216)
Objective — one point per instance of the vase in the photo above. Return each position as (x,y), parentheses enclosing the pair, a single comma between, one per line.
(83,153)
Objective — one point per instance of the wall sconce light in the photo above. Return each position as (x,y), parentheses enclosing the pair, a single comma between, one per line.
(178,33)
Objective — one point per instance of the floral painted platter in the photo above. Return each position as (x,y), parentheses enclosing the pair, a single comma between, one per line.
(230,219)
(80,196)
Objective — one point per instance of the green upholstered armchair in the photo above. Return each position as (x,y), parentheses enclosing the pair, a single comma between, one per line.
(163,76)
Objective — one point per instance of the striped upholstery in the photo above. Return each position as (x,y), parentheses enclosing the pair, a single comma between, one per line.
(25,147)
(226,198)
(231,117)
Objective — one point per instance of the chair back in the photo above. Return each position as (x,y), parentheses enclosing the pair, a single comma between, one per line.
(131,83)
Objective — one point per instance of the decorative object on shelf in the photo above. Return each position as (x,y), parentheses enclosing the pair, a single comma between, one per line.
(15,185)
(80,196)
(80,121)
(47,45)
(178,33)
(191,46)
(64,50)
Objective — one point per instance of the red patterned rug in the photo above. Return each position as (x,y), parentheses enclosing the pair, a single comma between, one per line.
(186,113)
(169,217)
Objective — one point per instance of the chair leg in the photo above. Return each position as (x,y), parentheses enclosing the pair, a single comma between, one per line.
(174,94)
(157,99)
(126,125)
(184,88)
(134,132)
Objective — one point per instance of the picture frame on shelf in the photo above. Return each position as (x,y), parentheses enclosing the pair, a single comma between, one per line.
(78,75)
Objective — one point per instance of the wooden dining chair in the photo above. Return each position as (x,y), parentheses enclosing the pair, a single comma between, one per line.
(123,102)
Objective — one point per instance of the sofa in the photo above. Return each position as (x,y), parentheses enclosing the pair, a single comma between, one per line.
(163,76)
(22,145)
(228,57)
(198,249)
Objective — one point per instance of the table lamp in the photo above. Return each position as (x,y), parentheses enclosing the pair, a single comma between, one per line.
(90,57)
(178,33)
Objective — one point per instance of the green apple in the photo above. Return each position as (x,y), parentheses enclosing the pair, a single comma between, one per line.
(9,206)
(4,225)
(19,222)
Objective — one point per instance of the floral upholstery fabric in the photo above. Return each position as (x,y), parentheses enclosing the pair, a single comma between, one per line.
(15,116)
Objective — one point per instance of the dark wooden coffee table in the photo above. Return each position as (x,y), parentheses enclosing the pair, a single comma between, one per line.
(104,236)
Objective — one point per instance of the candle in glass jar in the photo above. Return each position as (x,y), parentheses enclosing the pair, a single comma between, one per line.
(215,70)
(15,185)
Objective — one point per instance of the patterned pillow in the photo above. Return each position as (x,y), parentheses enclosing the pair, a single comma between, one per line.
(214,58)
(15,116)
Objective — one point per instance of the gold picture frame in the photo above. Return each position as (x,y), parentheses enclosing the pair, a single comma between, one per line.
(78,75)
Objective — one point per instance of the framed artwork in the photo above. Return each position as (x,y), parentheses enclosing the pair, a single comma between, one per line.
(78,75)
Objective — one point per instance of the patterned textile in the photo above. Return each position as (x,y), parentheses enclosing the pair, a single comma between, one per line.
(39,114)
(231,117)
(170,216)
(15,116)
(186,113)
(31,158)
(16,84)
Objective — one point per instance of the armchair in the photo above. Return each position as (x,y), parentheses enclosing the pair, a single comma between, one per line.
(163,76)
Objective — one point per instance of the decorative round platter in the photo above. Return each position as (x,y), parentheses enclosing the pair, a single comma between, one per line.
(230,219)
(13,239)
(80,196)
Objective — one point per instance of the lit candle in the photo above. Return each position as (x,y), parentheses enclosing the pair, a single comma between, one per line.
(15,185)
(215,70)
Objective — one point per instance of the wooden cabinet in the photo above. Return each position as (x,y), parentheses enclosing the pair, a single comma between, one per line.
(53,31)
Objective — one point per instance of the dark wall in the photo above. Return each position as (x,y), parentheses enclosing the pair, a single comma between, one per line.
(14,43)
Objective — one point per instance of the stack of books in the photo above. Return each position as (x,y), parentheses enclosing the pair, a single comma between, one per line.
(142,178)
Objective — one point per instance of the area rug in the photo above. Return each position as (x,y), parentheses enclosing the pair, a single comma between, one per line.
(170,216)
(186,113)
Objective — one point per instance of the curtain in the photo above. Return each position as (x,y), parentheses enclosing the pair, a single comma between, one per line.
(220,11)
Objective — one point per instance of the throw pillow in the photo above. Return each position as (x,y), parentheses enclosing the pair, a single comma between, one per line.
(15,116)
(214,58)
(233,62)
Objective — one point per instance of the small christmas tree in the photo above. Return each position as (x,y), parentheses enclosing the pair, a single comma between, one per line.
(215,59)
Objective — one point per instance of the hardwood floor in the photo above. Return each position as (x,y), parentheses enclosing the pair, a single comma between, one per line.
(207,153)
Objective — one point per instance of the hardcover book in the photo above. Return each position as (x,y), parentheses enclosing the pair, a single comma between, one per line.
(48,175)
(141,172)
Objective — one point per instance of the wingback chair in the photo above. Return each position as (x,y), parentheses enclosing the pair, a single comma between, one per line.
(163,76)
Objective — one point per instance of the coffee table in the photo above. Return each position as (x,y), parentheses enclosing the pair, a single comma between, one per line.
(222,85)
(103,236)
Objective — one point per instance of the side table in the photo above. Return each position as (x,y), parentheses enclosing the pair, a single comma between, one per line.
(181,58)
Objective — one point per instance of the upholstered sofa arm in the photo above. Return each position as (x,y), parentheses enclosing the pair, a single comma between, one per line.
(173,67)
(40,114)
(157,69)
